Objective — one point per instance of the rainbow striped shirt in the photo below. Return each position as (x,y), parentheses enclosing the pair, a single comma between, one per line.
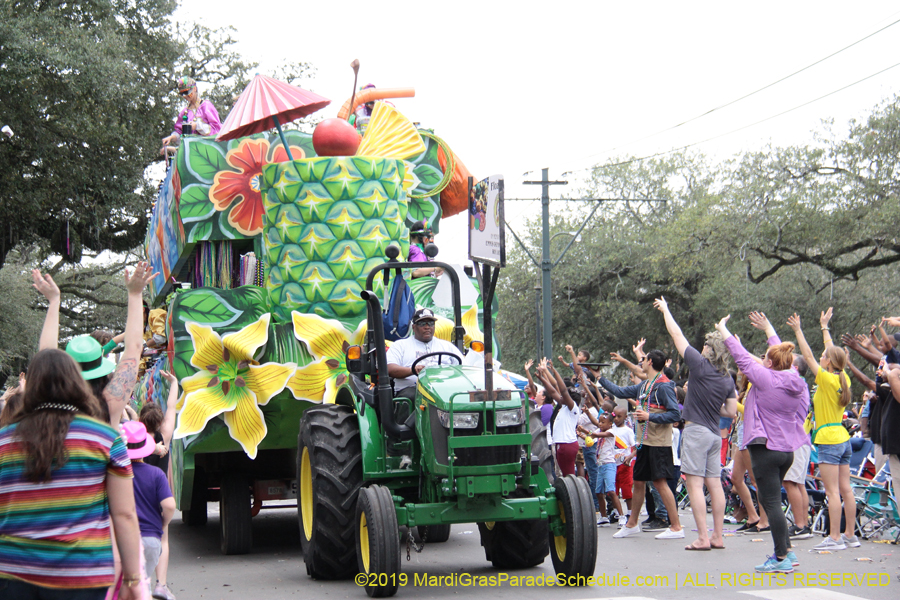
(56,534)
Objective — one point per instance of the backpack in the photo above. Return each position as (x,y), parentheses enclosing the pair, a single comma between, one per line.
(399,309)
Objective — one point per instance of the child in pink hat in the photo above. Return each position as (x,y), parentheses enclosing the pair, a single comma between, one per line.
(152,495)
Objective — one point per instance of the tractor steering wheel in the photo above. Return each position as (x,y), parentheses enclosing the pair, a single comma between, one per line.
(430,354)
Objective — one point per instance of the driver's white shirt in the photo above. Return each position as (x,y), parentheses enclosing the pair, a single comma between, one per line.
(405,352)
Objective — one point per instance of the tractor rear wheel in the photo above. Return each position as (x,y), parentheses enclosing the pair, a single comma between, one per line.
(518,544)
(434,534)
(329,476)
(377,541)
(575,552)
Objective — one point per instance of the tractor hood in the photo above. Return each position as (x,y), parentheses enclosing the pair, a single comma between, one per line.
(438,385)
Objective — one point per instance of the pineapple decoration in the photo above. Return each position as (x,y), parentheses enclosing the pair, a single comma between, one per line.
(329,220)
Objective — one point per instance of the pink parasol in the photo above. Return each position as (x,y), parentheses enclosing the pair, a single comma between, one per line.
(267,102)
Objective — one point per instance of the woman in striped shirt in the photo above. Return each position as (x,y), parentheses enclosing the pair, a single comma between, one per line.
(63,475)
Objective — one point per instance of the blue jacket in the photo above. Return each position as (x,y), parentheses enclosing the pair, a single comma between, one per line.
(663,409)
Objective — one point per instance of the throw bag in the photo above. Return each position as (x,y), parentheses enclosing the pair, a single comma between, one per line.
(399,309)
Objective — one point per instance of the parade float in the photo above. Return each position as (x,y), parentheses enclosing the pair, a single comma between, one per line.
(262,248)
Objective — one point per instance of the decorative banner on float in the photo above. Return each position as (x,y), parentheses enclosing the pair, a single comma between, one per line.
(487,241)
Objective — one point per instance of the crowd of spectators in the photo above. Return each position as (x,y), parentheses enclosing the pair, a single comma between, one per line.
(726,407)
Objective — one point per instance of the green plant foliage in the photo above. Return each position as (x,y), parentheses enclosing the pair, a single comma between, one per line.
(781,230)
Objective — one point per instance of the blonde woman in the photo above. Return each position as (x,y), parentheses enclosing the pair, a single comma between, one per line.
(831,437)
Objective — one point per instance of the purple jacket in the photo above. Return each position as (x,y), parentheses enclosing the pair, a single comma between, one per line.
(206,111)
(775,403)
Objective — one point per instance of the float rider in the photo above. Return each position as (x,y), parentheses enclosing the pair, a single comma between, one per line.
(419,236)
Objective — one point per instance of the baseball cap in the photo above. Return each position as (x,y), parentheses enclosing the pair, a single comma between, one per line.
(423,314)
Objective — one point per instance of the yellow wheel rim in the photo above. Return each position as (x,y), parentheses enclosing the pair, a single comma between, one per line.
(559,541)
(364,541)
(306,494)
(489,525)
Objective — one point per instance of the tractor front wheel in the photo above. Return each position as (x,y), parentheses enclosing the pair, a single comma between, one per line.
(574,552)
(377,542)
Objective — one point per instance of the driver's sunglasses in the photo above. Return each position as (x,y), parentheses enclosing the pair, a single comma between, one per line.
(426,324)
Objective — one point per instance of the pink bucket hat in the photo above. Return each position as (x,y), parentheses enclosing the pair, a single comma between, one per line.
(139,442)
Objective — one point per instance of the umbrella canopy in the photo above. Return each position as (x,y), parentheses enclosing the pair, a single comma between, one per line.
(263,99)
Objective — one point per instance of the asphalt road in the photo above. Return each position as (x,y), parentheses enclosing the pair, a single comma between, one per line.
(655,569)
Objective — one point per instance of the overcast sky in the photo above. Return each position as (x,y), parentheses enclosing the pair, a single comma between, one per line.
(517,86)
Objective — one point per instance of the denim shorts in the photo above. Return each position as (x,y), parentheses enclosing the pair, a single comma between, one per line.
(834,454)
(607,478)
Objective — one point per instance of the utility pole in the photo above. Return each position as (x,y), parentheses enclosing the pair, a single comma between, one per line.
(545,309)
(546,265)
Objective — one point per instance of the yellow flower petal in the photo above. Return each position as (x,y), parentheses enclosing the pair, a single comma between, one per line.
(325,338)
(313,382)
(268,379)
(243,344)
(197,381)
(443,329)
(470,322)
(359,336)
(246,422)
(208,349)
(200,406)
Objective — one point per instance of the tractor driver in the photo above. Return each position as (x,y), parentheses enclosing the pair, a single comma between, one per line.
(403,353)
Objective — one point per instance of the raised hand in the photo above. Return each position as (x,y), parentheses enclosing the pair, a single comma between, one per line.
(617,357)
(661,304)
(169,377)
(794,322)
(892,321)
(864,341)
(529,364)
(136,281)
(639,348)
(569,348)
(826,316)
(45,285)
(721,325)
(850,342)
(759,320)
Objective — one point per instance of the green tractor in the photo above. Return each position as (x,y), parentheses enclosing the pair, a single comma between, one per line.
(465,453)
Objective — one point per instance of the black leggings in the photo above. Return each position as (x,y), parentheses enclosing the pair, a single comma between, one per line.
(769,468)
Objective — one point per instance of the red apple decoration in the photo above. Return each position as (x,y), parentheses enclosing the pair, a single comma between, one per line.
(335,137)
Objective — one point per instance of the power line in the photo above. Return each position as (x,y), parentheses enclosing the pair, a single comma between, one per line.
(745,96)
(709,139)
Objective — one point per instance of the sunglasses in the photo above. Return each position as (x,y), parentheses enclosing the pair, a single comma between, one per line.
(185,92)
(425,324)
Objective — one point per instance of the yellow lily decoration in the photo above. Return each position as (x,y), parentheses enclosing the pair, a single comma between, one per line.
(230,381)
(327,340)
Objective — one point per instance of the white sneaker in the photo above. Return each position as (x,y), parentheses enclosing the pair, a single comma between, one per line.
(622,521)
(668,534)
(850,542)
(628,532)
(643,512)
(602,522)
(829,544)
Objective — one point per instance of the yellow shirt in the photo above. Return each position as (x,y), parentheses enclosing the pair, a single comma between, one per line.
(828,409)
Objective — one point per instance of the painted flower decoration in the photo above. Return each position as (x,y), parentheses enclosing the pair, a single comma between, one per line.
(232,382)
(327,340)
(444,327)
(243,188)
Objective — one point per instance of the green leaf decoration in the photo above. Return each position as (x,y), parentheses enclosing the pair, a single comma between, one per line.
(195,204)
(184,349)
(201,232)
(205,160)
(206,307)
(429,177)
